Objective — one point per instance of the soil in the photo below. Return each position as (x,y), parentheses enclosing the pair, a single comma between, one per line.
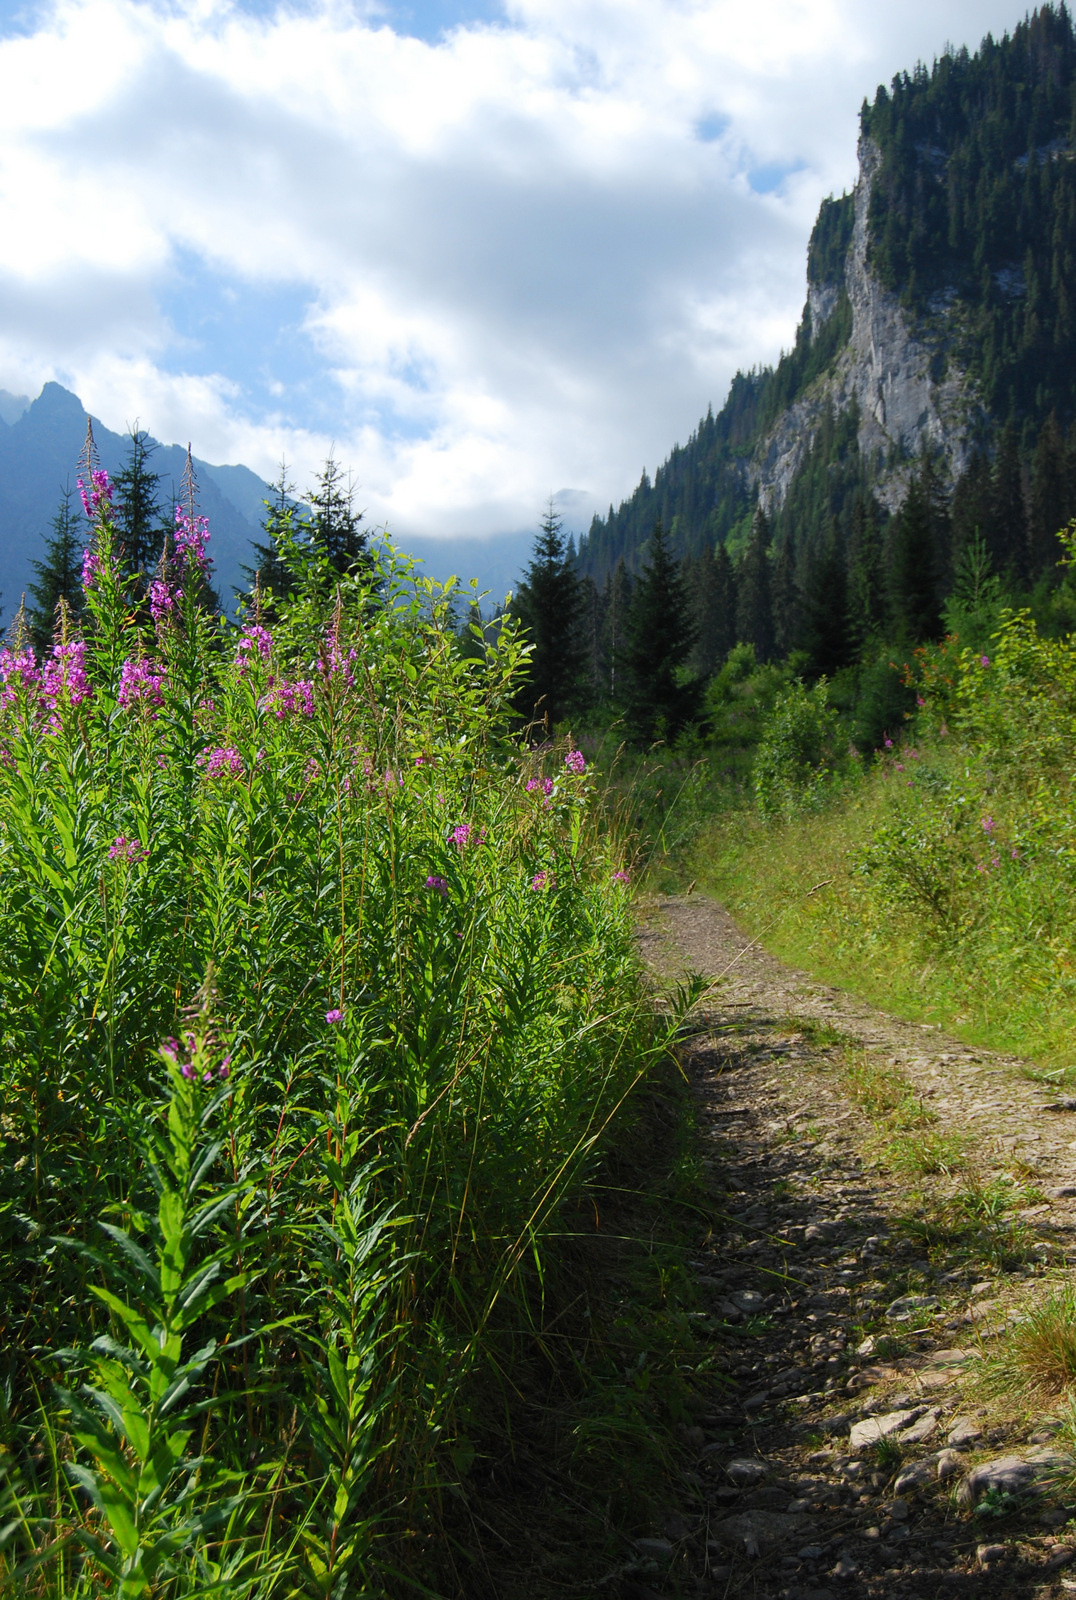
(817,1234)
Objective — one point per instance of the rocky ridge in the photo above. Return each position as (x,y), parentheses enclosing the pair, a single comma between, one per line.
(908,386)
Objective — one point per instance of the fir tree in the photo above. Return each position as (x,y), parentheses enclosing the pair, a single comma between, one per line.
(59,576)
(754,601)
(138,510)
(660,636)
(1050,501)
(1007,531)
(824,606)
(866,579)
(271,573)
(549,604)
(913,581)
(786,599)
(712,588)
(616,605)
(334,527)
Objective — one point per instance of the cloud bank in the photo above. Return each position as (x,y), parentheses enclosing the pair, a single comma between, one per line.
(514,257)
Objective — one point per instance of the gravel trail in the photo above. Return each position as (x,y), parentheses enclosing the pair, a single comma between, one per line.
(849,1451)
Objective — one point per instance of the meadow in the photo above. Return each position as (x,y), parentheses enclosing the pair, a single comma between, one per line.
(318,1000)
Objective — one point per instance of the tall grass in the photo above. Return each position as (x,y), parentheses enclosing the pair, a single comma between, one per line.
(941,881)
(318,995)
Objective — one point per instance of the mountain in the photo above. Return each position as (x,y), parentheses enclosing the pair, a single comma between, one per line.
(940,322)
(39,453)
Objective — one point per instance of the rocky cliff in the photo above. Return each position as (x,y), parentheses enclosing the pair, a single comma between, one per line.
(906,382)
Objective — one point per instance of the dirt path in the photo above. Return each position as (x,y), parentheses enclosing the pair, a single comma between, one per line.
(886,1202)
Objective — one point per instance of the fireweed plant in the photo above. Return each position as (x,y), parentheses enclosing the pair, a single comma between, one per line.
(318,993)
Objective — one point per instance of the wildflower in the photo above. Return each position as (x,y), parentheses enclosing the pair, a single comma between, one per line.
(984,661)
(621,877)
(141,682)
(438,885)
(225,1068)
(889,744)
(334,1017)
(187,1070)
(575,761)
(255,639)
(91,566)
(292,699)
(919,700)
(543,880)
(19,672)
(161,601)
(98,494)
(988,824)
(464,834)
(124,849)
(224,759)
(898,766)
(425,761)
(540,785)
(191,536)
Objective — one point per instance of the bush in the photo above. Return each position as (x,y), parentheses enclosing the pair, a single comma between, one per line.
(796,756)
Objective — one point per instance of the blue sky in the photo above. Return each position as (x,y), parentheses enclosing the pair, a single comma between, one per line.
(487,252)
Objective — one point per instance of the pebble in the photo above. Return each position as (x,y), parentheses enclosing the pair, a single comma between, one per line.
(872,1429)
(963,1432)
(898,1511)
(845,1568)
(745,1471)
(905,1308)
(988,1555)
(1006,1474)
(1061,1191)
(910,1477)
(655,1549)
(949,1466)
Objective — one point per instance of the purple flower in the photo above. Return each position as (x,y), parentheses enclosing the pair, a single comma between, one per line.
(161,601)
(438,885)
(621,877)
(141,683)
(543,880)
(541,785)
(988,824)
(98,494)
(292,699)
(225,1068)
(465,834)
(425,761)
(91,566)
(889,744)
(984,661)
(575,761)
(225,759)
(334,1017)
(65,673)
(187,1070)
(18,672)
(191,536)
(255,639)
(124,849)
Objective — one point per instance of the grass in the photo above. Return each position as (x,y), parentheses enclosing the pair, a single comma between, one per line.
(1037,1357)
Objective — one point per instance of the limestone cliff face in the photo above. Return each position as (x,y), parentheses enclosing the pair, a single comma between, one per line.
(886,367)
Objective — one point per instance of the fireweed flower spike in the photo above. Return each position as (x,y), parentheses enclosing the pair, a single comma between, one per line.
(575,761)
(543,880)
(334,1017)
(621,877)
(438,885)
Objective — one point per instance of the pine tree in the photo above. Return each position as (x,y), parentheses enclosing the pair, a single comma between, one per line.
(754,602)
(971,505)
(59,576)
(138,510)
(711,585)
(660,636)
(1006,532)
(270,573)
(1049,509)
(334,526)
(549,604)
(913,580)
(786,600)
(616,605)
(866,580)
(824,606)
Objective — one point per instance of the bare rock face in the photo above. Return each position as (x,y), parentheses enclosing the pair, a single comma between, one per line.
(908,393)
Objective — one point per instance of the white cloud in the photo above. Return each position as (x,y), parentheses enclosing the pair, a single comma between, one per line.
(523,266)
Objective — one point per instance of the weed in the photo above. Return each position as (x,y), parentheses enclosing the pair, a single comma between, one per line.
(1038,1354)
(888,1456)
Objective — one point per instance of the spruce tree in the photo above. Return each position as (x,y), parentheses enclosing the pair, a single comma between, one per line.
(1007,532)
(1050,502)
(273,577)
(334,526)
(711,585)
(138,510)
(786,599)
(59,576)
(549,604)
(866,578)
(616,604)
(660,636)
(754,600)
(913,580)
(824,605)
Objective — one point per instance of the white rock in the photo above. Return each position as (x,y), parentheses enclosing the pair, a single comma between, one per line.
(744,1471)
(905,1308)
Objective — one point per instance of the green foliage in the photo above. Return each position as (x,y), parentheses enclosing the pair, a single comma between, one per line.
(59,577)
(658,696)
(797,753)
(396,980)
(548,604)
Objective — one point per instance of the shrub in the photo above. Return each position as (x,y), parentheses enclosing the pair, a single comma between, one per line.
(796,756)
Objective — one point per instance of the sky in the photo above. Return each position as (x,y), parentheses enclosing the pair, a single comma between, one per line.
(486,253)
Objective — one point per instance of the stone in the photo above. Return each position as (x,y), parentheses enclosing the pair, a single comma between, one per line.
(949,1466)
(811,1552)
(988,1555)
(749,1301)
(1061,1191)
(962,1432)
(755,1531)
(845,1567)
(1064,1102)
(908,1305)
(1060,1557)
(768,1498)
(913,1477)
(947,1358)
(654,1549)
(756,1401)
(872,1429)
(1007,1475)
(977,1290)
(813,1235)
(920,1431)
(898,1511)
(1055,1518)
(745,1471)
